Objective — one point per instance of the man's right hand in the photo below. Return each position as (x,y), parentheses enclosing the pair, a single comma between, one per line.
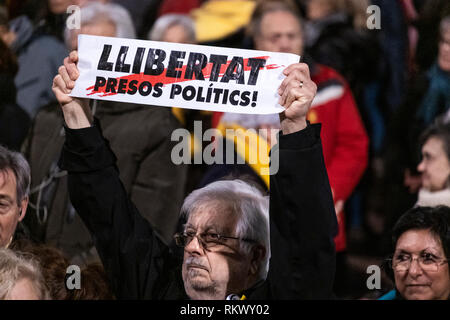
(77,113)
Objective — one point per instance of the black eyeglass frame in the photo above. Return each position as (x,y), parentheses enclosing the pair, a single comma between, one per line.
(390,262)
(205,244)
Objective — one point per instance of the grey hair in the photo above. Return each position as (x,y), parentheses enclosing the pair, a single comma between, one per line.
(445,25)
(168,20)
(16,162)
(95,11)
(15,266)
(246,201)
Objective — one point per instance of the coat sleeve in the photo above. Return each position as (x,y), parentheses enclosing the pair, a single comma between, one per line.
(159,178)
(131,253)
(302,219)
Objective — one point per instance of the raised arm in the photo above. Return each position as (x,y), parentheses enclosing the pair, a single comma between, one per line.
(77,113)
(127,245)
(302,218)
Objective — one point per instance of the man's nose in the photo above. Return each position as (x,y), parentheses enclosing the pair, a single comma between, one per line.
(194,247)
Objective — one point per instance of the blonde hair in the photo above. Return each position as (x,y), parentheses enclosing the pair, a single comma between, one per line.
(15,266)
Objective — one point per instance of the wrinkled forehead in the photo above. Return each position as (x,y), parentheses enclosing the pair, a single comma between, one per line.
(417,240)
(213,216)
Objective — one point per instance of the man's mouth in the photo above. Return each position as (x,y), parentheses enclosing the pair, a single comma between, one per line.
(197,266)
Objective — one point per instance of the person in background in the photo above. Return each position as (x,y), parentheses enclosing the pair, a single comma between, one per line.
(52,263)
(226,235)
(20,277)
(428,98)
(222,23)
(14,121)
(173,28)
(95,285)
(420,263)
(140,137)
(14,191)
(275,26)
(435,165)
(180,28)
(38,56)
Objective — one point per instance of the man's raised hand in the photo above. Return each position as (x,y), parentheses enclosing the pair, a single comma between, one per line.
(76,111)
(297,92)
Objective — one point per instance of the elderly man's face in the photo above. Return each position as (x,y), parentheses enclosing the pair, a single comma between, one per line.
(444,51)
(435,165)
(280,31)
(220,270)
(10,212)
(417,283)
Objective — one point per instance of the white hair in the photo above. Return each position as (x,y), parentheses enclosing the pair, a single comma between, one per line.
(168,20)
(95,11)
(15,266)
(246,201)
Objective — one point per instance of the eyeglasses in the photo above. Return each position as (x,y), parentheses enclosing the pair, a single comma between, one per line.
(427,261)
(207,239)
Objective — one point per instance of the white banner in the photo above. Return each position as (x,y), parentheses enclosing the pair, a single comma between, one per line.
(180,75)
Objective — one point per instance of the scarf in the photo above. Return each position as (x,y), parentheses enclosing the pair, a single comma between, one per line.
(433,199)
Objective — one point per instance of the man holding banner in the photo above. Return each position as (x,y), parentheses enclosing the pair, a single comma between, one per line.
(225,239)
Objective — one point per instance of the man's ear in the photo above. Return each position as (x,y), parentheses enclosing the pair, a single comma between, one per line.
(258,253)
(23,208)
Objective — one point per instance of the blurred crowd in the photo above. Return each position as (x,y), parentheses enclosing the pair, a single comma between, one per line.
(383,99)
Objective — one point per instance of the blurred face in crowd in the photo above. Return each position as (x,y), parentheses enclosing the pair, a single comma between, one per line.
(280,31)
(427,278)
(221,268)
(176,33)
(444,51)
(317,9)
(435,165)
(6,35)
(102,27)
(24,289)
(10,211)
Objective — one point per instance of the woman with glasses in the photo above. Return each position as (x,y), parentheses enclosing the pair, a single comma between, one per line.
(420,263)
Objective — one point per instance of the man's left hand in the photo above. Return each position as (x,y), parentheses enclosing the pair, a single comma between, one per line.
(297,92)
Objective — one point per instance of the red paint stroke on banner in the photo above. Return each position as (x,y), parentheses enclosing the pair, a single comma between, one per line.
(162,78)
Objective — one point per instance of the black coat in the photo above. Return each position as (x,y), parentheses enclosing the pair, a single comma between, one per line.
(302,222)
(140,137)
(14,121)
